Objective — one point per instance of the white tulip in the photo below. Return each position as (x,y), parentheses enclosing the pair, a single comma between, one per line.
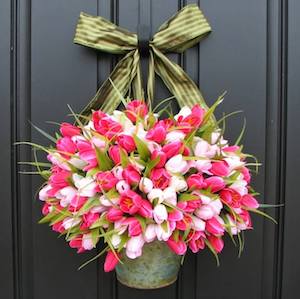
(145,185)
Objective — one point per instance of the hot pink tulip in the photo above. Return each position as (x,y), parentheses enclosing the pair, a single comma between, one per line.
(114,214)
(246,174)
(214,226)
(215,183)
(136,109)
(111,261)
(160,178)
(196,181)
(173,148)
(88,219)
(175,215)
(114,153)
(105,125)
(192,121)
(216,242)
(130,202)
(178,247)
(134,226)
(162,158)
(146,209)
(157,133)
(231,198)
(196,240)
(68,130)
(77,243)
(106,180)
(59,179)
(131,175)
(66,147)
(219,168)
(249,201)
(58,227)
(126,142)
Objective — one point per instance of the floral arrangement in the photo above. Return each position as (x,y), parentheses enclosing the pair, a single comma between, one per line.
(132,178)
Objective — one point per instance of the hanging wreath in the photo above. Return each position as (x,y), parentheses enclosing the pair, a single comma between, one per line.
(151,187)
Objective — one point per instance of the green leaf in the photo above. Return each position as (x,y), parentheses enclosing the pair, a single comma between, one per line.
(95,236)
(261,213)
(164,226)
(142,221)
(241,134)
(212,251)
(211,110)
(94,258)
(150,165)
(187,197)
(44,133)
(104,162)
(48,217)
(91,202)
(124,158)
(124,239)
(141,148)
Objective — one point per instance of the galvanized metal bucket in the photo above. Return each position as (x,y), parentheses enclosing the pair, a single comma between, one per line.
(157,267)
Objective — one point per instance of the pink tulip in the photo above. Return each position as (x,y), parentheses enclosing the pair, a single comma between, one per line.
(197,224)
(215,183)
(59,179)
(173,148)
(134,246)
(231,149)
(246,220)
(77,243)
(114,154)
(89,156)
(111,261)
(160,178)
(146,209)
(249,201)
(178,247)
(215,226)
(219,168)
(231,198)
(46,209)
(114,214)
(134,226)
(106,180)
(58,227)
(157,133)
(196,240)
(76,203)
(66,147)
(191,121)
(126,142)
(185,223)
(216,242)
(88,219)
(136,109)
(196,181)
(130,202)
(105,125)
(246,174)
(162,158)
(175,215)
(68,130)
(131,175)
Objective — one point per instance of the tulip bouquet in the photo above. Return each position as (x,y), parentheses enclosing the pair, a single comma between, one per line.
(131,178)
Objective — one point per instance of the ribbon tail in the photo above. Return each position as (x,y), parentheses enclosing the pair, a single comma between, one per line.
(177,81)
(108,96)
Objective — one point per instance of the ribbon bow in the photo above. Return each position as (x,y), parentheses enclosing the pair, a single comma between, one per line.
(180,32)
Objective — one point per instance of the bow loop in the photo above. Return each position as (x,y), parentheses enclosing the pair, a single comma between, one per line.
(180,32)
(101,34)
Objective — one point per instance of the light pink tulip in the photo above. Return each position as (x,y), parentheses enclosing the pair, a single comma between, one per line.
(122,187)
(177,165)
(160,213)
(87,242)
(134,246)
(150,233)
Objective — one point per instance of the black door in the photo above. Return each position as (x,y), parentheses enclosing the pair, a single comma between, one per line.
(253,53)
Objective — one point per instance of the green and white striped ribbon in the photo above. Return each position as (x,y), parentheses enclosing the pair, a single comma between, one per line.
(179,33)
